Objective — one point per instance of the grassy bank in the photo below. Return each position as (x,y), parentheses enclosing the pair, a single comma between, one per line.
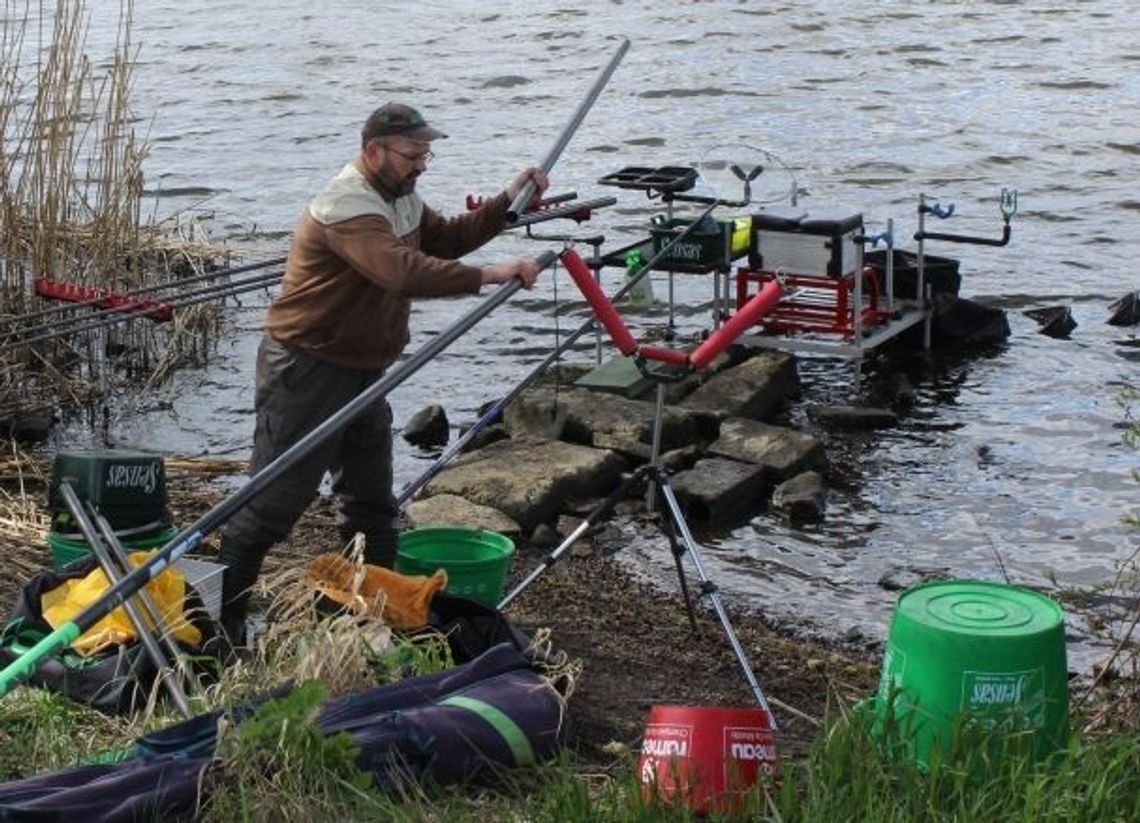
(279,767)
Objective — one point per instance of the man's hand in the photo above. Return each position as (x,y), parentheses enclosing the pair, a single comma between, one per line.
(524,268)
(532,175)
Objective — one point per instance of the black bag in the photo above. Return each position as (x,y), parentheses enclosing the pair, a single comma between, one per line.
(116,681)
(472,627)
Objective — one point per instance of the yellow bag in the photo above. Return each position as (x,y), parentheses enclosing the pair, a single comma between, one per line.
(168,591)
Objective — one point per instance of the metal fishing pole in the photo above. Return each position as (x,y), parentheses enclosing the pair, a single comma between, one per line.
(183,281)
(123,558)
(138,307)
(123,314)
(523,198)
(193,535)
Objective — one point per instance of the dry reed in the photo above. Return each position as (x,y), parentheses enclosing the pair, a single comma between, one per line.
(71,184)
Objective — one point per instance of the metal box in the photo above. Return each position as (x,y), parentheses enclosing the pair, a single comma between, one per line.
(813,244)
(205,576)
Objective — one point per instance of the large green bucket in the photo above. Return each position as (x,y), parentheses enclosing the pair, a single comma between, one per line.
(971,657)
(476,560)
(65,549)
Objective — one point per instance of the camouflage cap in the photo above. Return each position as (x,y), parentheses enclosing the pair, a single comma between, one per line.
(397,118)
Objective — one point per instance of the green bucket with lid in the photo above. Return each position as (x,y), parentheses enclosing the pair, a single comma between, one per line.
(476,560)
(976,656)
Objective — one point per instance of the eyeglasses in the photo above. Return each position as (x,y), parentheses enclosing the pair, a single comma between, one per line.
(424,156)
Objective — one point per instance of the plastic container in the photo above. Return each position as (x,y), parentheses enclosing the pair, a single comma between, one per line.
(65,548)
(706,757)
(127,487)
(987,656)
(704,246)
(476,560)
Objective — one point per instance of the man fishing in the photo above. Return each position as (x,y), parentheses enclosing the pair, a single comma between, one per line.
(363,249)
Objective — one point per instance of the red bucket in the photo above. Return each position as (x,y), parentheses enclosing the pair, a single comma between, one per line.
(706,757)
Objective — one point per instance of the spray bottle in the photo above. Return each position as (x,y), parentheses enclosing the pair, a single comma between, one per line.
(642,293)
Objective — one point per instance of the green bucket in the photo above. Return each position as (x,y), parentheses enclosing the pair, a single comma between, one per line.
(476,560)
(976,657)
(65,549)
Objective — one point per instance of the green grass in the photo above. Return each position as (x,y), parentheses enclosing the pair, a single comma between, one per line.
(278,766)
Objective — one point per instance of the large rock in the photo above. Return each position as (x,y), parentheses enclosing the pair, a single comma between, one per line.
(754,389)
(606,421)
(716,490)
(451,510)
(802,499)
(1125,310)
(783,452)
(528,478)
(428,427)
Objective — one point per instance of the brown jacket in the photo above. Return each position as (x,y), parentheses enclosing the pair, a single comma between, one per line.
(356,262)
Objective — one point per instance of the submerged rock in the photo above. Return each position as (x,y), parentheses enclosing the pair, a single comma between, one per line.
(1125,310)
(1055,321)
(803,499)
(853,417)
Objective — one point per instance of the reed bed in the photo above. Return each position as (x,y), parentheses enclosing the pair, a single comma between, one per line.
(71,189)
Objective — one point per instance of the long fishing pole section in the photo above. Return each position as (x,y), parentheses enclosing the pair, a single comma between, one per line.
(131,605)
(94,297)
(193,534)
(523,198)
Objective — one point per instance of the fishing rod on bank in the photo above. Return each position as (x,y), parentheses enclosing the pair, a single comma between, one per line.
(100,300)
(142,309)
(193,534)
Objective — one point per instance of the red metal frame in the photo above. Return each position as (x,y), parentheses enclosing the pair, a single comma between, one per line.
(812,303)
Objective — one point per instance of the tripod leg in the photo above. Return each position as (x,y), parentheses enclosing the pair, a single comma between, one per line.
(678,550)
(708,587)
(552,557)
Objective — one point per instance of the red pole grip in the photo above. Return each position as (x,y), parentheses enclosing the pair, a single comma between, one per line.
(675,356)
(761,303)
(598,301)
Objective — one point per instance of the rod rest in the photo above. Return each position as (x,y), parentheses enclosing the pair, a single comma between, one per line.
(760,304)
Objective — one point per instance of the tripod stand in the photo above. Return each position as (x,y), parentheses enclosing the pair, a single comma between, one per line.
(674,359)
(681,542)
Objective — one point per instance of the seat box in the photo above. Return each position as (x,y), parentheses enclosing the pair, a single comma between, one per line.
(806,243)
(126,487)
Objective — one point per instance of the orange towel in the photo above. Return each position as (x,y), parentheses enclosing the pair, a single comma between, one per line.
(401,601)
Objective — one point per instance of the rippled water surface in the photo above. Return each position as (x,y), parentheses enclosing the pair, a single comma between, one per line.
(1010,461)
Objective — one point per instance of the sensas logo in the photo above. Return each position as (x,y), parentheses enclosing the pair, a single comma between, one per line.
(143,477)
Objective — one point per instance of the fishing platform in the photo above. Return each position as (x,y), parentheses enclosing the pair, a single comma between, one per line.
(835,293)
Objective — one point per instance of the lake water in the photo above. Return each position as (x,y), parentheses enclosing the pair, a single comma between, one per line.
(1010,463)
